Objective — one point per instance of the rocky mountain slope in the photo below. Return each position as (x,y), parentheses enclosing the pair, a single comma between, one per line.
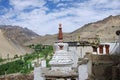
(104,29)
(12,39)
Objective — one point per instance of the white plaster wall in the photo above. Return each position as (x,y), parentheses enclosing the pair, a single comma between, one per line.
(83,74)
(74,57)
(38,74)
(43,63)
(80,50)
(89,67)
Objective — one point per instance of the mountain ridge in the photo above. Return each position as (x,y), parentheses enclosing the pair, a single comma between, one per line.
(17,38)
(101,28)
(12,39)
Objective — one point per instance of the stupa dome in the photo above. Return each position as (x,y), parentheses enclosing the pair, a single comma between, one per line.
(61,57)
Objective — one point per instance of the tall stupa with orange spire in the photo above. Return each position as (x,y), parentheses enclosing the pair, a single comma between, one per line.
(61,63)
(62,57)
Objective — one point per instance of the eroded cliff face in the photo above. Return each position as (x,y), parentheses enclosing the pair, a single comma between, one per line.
(12,39)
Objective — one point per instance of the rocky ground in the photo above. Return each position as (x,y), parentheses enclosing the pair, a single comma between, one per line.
(17,77)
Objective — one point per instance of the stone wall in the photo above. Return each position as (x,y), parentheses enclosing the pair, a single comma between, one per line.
(104,67)
(18,77)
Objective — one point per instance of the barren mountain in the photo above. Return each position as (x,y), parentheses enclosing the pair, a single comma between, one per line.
(104,29)
(12,39)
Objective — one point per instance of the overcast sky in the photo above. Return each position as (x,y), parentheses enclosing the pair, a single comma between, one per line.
(43,16)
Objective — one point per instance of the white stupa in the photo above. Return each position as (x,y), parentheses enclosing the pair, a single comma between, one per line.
(62,58)
(62,63)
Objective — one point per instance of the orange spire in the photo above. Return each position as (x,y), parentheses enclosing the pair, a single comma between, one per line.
(60,35)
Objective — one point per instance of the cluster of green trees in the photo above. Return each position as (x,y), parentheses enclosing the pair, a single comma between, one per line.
(23,63)
(11,67)
(18,66)
(41,51)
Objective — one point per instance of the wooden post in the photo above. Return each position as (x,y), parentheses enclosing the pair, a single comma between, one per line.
(101,49)
(107,48)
